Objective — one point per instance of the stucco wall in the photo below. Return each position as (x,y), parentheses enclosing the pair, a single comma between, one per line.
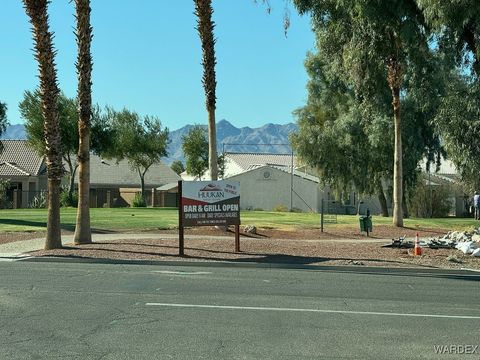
(266,188)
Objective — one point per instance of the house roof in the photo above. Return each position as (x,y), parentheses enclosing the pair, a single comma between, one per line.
(108,173)
(284,169)
(169,187)
(19,159)
(246,160)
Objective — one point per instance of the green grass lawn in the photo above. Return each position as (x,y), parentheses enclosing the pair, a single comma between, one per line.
(166,218)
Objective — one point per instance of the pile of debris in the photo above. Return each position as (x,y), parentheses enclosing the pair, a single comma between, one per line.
(467,242)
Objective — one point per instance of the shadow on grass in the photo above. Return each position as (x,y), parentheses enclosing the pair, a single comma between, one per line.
(41,224)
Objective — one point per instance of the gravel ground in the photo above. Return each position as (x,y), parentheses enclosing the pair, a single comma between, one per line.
(336,246)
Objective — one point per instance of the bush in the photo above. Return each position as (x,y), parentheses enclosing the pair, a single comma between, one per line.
(280,208)
(39,201)
(258,209)
(435,200)
(139,201)
(296,210)
(4,186)
(68,201)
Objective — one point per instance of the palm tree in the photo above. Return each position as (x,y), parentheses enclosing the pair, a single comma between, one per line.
(205,26)
(83,234)
(45,55)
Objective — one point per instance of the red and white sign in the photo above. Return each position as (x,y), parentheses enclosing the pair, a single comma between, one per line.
(206,203)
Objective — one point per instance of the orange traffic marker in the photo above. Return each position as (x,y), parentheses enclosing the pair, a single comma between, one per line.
(417,249)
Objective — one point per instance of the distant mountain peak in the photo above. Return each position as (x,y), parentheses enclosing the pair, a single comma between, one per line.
(14,132)
(263,139)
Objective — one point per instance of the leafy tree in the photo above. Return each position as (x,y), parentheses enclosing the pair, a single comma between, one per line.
(195,149)
(457,30)
(3,121)
(373,44)
(83,233)
(142,142)
(458,120)
(205,26)
(178,167)
(31,112)
(196,153)
(45,55)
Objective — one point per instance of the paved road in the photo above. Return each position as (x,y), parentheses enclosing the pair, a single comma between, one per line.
(101,311)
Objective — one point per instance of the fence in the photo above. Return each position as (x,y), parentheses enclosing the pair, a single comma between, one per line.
(329,211)
(99,198)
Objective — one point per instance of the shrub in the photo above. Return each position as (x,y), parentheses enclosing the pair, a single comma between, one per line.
(139,201)
(435,200)
(296,210)
(258,209)
(4,186)
(280,208)
(39,201)
(68,201)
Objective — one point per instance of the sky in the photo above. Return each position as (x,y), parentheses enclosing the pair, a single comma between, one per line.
(147,58)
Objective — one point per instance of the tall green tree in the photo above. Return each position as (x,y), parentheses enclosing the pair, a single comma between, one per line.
(178,167)
(45,55)
(373,43)
(3,121)
(83,233)
(195,149)
(140,141)
(458,122)
(457,33)
(457,28)
(31,112)
(205,26)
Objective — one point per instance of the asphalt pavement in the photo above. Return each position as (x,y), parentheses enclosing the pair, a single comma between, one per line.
(62,310)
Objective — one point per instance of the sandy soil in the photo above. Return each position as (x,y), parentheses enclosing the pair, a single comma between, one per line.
(343,246)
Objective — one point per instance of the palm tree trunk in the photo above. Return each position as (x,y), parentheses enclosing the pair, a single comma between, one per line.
(71,181)
(204,11)
(83,233)
(395,81)
(45,55)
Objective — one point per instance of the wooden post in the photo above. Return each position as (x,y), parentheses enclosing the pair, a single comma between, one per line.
(153,197)
(181,242)
(321,217)
(237,238)
(15,199)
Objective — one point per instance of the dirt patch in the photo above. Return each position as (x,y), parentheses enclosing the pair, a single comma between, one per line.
(8,237)
(303,252)
(340,245)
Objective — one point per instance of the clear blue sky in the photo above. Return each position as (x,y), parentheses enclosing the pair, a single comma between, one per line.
(147,57)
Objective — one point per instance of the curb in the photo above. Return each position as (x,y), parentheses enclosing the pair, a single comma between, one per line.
(423,272)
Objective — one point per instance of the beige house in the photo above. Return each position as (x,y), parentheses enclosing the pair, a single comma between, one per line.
(24,169)
(115,183)
(111,183)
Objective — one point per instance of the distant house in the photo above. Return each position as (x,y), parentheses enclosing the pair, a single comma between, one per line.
(237,163)
(24,169)
(267,187)
(115,184)
(111,183)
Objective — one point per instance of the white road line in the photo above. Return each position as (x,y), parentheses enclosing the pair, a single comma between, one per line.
(182,272)
(313,311)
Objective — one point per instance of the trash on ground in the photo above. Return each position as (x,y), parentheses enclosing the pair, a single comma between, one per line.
(467,242)
(453,258)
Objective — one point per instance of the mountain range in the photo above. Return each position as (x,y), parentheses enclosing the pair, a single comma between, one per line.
(264,139)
